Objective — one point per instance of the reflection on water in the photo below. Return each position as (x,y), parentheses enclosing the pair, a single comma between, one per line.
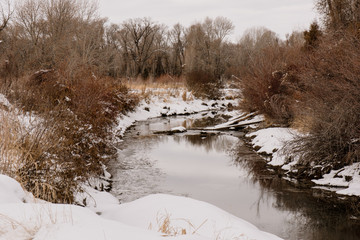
(314,215)
(192,121)
(219,169)
(208,142)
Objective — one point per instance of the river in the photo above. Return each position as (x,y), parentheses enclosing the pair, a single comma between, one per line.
(217,167)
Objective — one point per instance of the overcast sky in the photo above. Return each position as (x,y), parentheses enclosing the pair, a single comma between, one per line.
(280,16)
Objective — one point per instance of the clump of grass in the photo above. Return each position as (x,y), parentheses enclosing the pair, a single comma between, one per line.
(184,96)
(162,82)
(28,226)
(164,222)
(10,150)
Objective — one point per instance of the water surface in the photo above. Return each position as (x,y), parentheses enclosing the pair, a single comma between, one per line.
(218,168)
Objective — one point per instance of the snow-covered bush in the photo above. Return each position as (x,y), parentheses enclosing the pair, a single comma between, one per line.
(73,139)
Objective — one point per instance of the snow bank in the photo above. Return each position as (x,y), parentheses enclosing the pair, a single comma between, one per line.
(273,140)
(348,177)
(11,191)
(60,222)
(184,215)
(184,218)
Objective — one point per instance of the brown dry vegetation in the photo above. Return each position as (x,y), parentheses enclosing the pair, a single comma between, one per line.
(61,62)
(268,75)
(74,139)
(332,101)
(331,97)
(313,85)
(204,84)
(61,81)
(162,82)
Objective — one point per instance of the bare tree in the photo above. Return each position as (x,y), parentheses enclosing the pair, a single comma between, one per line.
(66,34)
(296,38)
(30,16)
(137,40)
(340,13)
(6,12)
(204,45)
(112,49)
(204,58)
(196,51)
(177,40)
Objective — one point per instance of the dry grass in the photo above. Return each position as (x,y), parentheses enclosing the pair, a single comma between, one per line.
(163,82)
(10,149)
(27,154)
(27,226)
(164,86)
(73,139)
(166,226)
(8,224)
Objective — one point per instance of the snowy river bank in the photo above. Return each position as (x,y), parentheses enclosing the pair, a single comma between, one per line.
(156,216)
(161,190)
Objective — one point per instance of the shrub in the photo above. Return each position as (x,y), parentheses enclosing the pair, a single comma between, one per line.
(30,155)
(9,139)
(204,84)
(43,171)
(271,84)
(73,139)
(332,103)
(312,37)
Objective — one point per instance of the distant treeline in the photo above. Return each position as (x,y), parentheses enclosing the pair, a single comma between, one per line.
(70,35)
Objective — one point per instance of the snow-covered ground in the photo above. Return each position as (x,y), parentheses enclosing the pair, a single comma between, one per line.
(273,141)
(152,217)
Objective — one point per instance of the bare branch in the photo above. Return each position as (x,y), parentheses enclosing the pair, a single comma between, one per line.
(6,12)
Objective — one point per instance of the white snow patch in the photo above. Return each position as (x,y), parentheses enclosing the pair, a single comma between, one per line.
(11,191)
(109,220)
(348,177)
(4,101)
(278,159)
(178,129)
(272,139)
(204,219)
